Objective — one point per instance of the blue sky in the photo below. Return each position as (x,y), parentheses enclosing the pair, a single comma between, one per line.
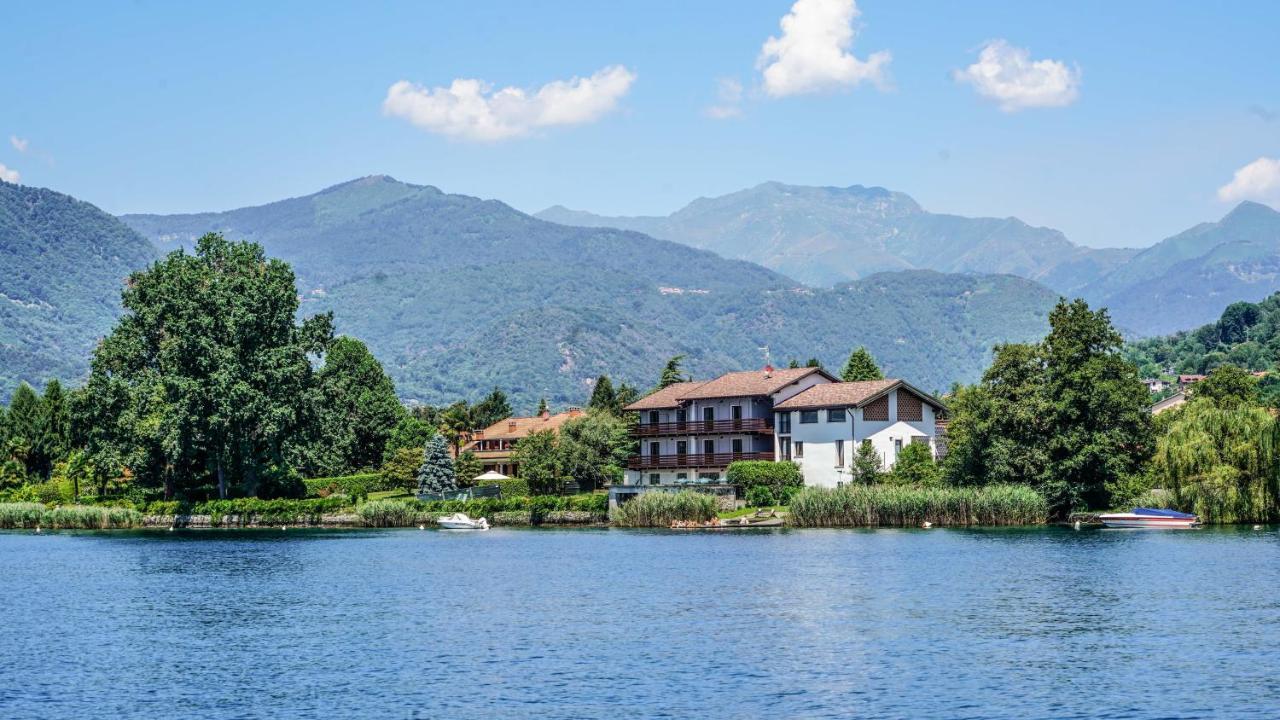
(1142,113)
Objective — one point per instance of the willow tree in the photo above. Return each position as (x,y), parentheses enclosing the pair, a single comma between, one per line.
(206,376)
(1220,462)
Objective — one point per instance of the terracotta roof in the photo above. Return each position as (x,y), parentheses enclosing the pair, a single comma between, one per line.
(849,394)
(751,383)
(514,428)
(668,397)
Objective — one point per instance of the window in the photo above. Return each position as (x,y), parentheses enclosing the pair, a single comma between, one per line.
(835,415)
(840,453)
(708,447)
(682,477)
(709,476)
(910,408)
(784,448)
(655,478)
(682,447)
(808,416)
(799,449)
(655,449)
(784,422)
(735,412)
(708,415)
(680,415)
(653,417)
(737,446)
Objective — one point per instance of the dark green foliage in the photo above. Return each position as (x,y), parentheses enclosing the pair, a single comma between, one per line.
(542,407)
(915,466)
(672,372)
(409,432)
(1247,335)
(779,479)
(492,408)
(602,395)
(860,366)
(356,487)
(593,449)
(867,467)
(541,465)
(465,468)
(1066,416)
(26,421)
(760,496)
(64,262)
(436,473)
(400,471)
(1226,387)
(514,487)
(355,412)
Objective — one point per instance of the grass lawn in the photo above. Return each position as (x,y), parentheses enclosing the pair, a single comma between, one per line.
(391,495)
(730,514)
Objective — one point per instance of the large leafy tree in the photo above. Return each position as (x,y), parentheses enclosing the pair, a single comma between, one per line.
(409,432)
(860,366)
(206,377)
(466,467)
(537,456)
(355,412)
(1068,415)
(456,423)
(26,423)
(1227,386)
(436,473)
(1220,462)
(594,449)
(491,409)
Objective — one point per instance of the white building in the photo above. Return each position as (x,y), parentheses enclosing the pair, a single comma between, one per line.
(821,428)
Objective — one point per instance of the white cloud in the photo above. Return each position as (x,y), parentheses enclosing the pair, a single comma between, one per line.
(1259,180)
(812,55)
(7,175)
(728,100)
(473,110)
(19,144)
(1008,75)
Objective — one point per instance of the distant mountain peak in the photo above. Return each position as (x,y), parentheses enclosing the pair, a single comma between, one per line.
(1249,211)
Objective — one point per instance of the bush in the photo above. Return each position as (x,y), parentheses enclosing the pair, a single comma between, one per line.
(249,511)
(760,496)
(356,487)
(21,514)
(80,517)
(776,476)
(660,509)
(514,487)
(386,513)
(164,507)
(898,506)
(400,471)
(280,481)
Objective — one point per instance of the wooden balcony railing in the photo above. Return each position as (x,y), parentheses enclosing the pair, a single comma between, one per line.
(701,427)
(717,460)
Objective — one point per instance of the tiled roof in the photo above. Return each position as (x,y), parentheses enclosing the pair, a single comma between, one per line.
(668,397)
(515,428)
(847,394)
(751,383)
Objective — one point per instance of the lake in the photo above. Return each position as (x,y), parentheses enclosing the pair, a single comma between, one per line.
(1042,622)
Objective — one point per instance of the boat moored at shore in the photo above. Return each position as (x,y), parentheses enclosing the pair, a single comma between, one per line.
(1150,518)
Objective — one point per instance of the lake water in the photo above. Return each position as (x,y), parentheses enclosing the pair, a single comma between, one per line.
(621,624)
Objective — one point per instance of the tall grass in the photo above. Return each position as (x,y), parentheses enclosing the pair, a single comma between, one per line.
(78,517)
(386,513)
(904,506)
(660,509)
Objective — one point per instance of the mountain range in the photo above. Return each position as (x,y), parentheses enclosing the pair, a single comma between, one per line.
(822,235)
(457,294)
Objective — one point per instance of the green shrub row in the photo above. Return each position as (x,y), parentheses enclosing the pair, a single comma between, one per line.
(510,488)
(660,509)
(254,510)
(905,506)
(401,513)
(80,517)
(356,487)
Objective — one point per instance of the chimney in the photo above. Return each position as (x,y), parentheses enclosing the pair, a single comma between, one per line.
(479,435)
(511,426)
(544,414)
(575,412)
(768,370)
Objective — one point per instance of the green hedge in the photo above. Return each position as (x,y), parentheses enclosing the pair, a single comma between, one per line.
(254,510)
(356,487)
(765,482)
(400,513)
(81,517)
(514,487)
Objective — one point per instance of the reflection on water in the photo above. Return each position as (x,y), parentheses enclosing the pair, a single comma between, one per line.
(608,623)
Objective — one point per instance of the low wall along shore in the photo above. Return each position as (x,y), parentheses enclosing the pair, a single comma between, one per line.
(353,520)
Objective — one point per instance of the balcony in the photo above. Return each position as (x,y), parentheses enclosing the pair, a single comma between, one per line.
(717,460)
(703,427)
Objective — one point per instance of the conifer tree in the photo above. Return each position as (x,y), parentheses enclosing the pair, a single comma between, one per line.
(542,406)
(672,373)
(860,366)
(866,468)
(602,395)
(436,473)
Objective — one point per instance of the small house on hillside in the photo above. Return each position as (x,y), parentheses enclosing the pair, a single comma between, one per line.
(493,445)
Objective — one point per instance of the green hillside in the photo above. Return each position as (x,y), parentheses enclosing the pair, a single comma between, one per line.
(1247,335)
(457,294)
(65,262)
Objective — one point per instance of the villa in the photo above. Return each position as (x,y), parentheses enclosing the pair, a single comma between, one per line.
(494,445)
(688,433)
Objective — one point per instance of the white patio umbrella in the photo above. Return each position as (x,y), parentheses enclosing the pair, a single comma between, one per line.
(492,475)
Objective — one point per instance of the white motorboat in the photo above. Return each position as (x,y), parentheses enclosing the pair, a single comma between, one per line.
(461,521)
(1149,518)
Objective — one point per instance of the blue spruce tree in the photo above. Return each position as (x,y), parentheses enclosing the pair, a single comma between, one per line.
(435,475)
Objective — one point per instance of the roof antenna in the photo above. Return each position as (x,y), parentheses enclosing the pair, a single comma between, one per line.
(768,365)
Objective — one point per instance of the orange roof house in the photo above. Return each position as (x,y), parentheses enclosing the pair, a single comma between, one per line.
(493,445)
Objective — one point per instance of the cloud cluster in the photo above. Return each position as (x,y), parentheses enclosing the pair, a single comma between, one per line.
(1008,75)
(19,144)
(8,175)
(813,52)
(728,100)
(472,110)
(1259,180)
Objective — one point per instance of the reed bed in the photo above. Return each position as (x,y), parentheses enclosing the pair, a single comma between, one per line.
(907,506)
(386,513)
(660,509)
(69,517)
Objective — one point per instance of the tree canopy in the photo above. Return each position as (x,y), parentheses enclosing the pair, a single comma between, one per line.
(860,366)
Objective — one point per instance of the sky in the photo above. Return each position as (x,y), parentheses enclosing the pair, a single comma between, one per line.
(1117,123)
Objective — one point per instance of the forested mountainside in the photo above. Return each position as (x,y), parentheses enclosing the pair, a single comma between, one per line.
(824,235)
(456,294)
(1247,334)
(64,264)
(1190,278)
